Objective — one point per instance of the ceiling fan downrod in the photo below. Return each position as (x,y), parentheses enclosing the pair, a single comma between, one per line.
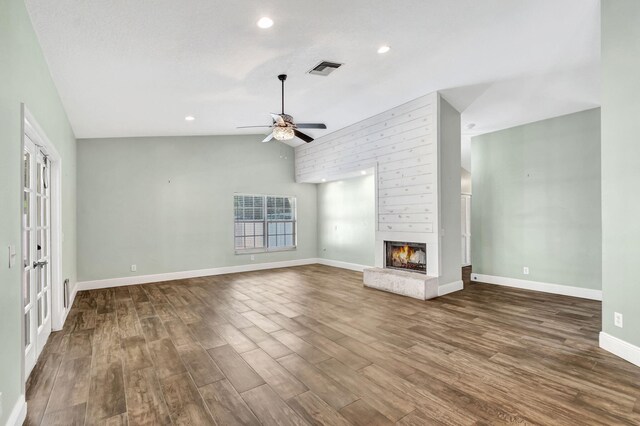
(282,78)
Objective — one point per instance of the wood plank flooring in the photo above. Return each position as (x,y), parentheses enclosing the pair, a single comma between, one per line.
(310,345)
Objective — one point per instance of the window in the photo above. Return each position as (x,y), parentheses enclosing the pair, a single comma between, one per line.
(264,222)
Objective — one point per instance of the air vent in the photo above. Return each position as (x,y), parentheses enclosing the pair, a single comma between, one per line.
(324,68)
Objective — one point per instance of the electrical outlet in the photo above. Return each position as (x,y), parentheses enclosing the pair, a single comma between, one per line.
(134,268)
(525,270)
(253,257)
(617,319)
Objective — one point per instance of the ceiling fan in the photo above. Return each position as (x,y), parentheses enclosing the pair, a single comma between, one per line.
(284,128)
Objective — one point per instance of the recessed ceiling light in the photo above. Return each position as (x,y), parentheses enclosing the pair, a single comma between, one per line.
(265,22)
(324,180)
(384,49)
(364,172)
(189,118)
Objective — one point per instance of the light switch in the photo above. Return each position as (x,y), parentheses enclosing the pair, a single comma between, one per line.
(12,256)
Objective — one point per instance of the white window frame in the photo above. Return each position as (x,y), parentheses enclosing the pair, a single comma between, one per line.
(266,221)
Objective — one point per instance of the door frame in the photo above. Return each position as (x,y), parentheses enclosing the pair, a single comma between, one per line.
(30,126)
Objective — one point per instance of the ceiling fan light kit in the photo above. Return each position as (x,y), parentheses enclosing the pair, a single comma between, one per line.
(284,128)
(283,133)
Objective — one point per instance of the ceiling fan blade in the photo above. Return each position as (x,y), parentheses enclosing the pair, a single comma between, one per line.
(268,138)
(277,119)
(311,126)
(247,127)
(302,136)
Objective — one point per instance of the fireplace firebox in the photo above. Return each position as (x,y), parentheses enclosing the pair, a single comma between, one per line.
(406,256)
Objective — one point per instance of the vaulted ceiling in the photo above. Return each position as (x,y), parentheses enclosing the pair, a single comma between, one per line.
(135,68)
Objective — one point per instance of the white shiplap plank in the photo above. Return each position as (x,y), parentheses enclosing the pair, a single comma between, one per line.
(406,227)
(406,217)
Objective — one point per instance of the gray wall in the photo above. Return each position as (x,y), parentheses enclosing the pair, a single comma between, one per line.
(449,193)
(347,220)
(620,167)
(166,204)
(536,201)
(24,77)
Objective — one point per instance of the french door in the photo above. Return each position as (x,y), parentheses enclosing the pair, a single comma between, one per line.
(36,252)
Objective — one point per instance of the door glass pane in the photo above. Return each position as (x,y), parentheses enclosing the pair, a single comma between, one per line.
(26,247)
(38,273)
(39,311)
(26,217)
(26,290)
(45,243)
(39,178)
(46,304)
(39,252)
(45,276)
(27,329)
(45,212)
(27,170)
(39,211)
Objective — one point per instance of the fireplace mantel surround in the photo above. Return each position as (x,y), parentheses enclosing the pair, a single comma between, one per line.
(414,152)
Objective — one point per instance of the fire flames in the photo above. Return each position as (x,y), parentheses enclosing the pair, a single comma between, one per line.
(405,255)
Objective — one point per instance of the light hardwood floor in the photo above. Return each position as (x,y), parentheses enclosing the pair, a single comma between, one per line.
(310,345)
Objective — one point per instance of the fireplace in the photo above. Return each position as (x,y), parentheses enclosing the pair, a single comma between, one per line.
(406,256)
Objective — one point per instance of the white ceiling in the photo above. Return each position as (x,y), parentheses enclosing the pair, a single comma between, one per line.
(136,68)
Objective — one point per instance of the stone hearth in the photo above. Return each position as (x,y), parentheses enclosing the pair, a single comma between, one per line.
(412,284)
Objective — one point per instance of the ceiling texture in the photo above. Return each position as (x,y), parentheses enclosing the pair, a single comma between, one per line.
(137,68)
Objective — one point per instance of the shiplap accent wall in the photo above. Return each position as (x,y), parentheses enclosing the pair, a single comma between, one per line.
(401,144)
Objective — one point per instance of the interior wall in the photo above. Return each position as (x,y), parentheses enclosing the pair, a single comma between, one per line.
(347,220)
(449,193)
(165,204)
(536,201)
(620,171)
(465,181)
(24,77)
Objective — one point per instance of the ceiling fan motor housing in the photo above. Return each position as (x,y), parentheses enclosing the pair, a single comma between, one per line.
(288,120)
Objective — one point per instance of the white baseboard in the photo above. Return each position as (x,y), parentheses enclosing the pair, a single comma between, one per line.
(18,413)
(450,287)
(143,279)
(620,348)
(585,293)
(343,265)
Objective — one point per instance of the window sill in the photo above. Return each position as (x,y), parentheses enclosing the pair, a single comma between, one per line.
(272,250)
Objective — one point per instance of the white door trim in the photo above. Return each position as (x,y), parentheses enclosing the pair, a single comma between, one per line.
(31,128)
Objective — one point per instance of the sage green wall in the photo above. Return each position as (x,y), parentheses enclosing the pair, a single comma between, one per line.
(347,220)
(536,201)
(24,77)
(165,204)
(621,167)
